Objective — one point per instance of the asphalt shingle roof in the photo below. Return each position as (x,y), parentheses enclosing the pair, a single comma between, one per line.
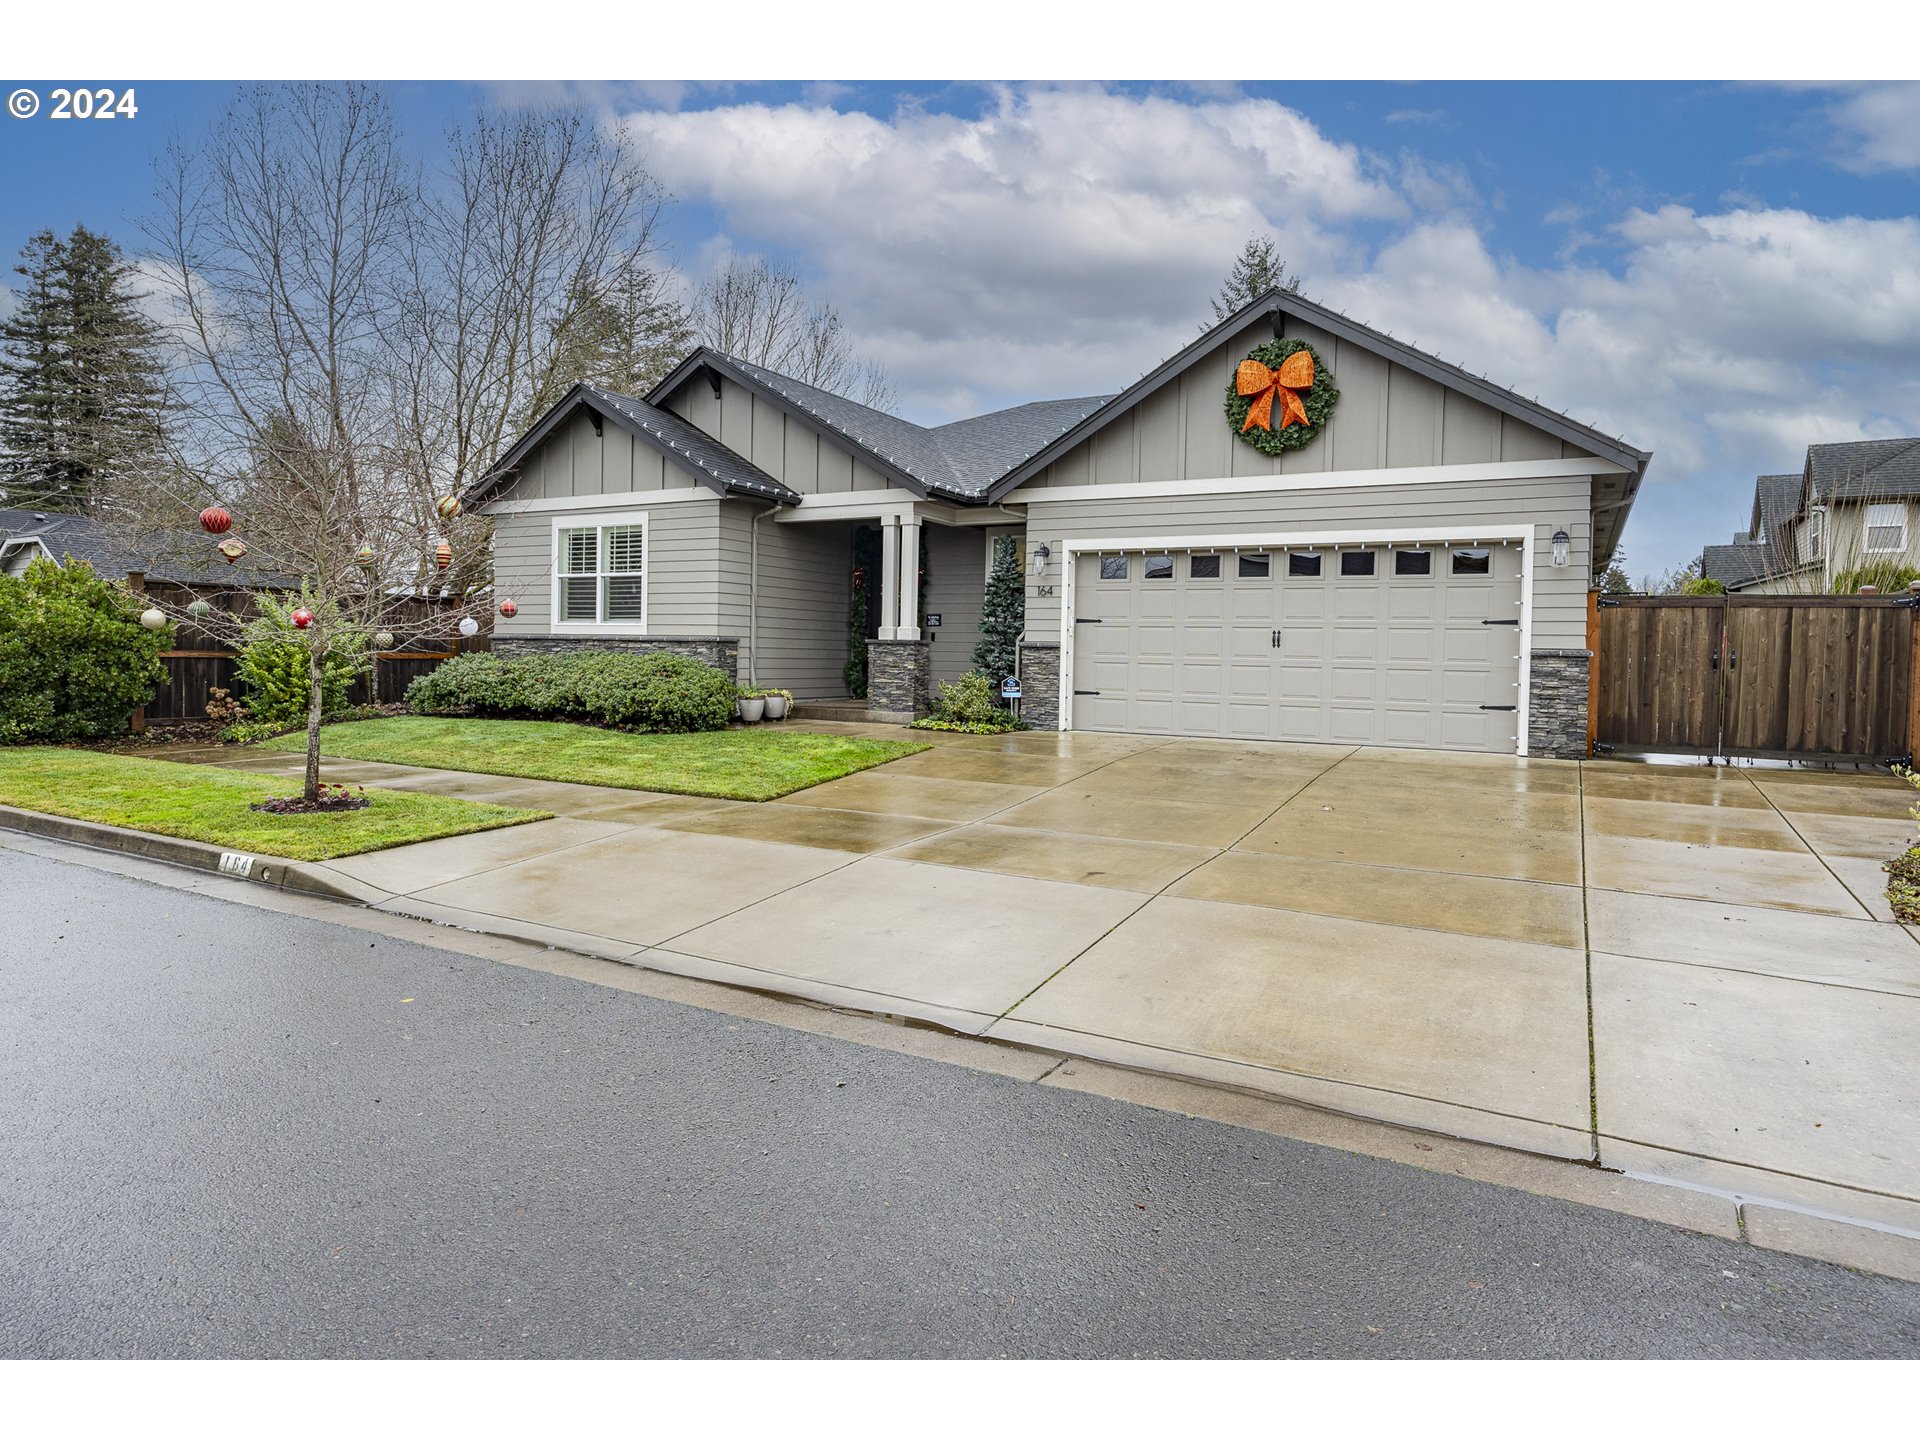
(961,458)
(1864,470)
(1734,565)
(185,558)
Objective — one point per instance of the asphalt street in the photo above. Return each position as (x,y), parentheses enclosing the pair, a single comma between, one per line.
(229,1132)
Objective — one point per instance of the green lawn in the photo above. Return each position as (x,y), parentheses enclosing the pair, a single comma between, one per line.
(201,802)
(744,763)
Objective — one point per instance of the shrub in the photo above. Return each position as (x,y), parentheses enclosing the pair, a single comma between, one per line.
(969,704)
(1703,585)
(658,692)
(274,672)
(75,662)
(1903,871)
(1886,576)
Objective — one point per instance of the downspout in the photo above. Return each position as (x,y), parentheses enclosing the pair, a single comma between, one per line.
(753,596)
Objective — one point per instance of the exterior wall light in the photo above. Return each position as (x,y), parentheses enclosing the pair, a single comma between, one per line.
(1040,554)
(1562,546)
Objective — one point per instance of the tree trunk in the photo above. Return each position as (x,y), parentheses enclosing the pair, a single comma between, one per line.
(314,697)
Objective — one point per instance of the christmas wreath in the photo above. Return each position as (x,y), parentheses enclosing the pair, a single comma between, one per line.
(1280,396)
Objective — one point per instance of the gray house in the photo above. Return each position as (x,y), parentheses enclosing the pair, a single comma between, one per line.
(1851,507)
(1414,575)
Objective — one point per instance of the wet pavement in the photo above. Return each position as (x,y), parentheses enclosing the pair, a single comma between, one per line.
(1408,936)
(239,1133)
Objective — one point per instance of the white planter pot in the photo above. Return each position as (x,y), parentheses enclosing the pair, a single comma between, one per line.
(752,710)
(776,707)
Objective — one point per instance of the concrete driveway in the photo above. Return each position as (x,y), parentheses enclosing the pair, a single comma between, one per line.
(1682,972)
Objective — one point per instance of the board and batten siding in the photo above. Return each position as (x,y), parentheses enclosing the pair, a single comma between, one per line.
(956,592)
(793,452)
(801,624)
(1559,592)
(573,461)
(1387,416)
(683,581)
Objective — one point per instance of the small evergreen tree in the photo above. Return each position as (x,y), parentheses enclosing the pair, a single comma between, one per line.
(81,393)
(1614,580)
(1003,614)
(1257,270)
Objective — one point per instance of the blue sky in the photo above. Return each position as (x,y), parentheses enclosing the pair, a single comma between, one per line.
(1720,273)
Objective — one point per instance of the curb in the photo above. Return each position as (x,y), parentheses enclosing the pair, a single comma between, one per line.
(272,870)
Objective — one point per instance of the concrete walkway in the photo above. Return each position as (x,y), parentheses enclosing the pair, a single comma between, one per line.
(1681,972)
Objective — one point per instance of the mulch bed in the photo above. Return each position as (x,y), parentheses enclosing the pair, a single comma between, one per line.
(333,799)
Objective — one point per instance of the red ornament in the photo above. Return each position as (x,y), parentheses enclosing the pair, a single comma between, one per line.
(302,618)
(508,609)
(442,555)
(215,520)
(231,550)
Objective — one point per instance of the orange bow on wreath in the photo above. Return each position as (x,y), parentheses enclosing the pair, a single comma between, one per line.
(1294,375)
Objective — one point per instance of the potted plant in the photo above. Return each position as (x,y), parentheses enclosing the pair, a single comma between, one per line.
(753,706)
(777,703)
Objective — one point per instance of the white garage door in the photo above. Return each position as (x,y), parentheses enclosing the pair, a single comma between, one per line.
(1410,645)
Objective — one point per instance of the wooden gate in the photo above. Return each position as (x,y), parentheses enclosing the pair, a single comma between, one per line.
(1756,675)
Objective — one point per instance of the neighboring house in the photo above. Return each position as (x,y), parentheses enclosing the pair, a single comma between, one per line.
(1849,507)
(1415,575)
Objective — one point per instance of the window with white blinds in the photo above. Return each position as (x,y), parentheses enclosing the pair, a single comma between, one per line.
(1886,527)
(600,573)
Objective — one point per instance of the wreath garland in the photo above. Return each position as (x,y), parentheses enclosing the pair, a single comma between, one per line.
(1317,401)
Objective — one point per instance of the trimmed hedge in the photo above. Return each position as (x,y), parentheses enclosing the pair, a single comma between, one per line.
(660,693)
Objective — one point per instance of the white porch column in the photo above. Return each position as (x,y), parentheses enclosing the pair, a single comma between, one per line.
(910,577)
(889,577)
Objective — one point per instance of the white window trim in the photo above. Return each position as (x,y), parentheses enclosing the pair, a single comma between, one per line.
(1867,527)
(1479,535)
(998,533)
(599,520)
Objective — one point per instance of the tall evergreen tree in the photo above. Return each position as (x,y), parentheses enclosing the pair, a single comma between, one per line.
(1257,270)
(81,390)
(1003,614)
(624,338)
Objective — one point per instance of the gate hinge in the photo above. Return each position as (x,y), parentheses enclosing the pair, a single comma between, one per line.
(1607,602)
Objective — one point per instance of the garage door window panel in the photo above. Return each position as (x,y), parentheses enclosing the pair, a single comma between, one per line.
(1113,567)
(1413,562)
(1355,564)
(1472,562)
(1303,565)
(1254,567)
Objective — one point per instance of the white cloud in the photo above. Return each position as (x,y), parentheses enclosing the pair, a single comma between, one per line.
(1068,239)
(1879,127)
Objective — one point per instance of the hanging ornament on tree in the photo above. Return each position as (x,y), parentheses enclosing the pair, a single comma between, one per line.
(215,520)
(363,557)
(231,550)
(199,609)
(448,507)
(442,555)
(153,620)
(469,626)
(508,609)
(301,618)
(383,640)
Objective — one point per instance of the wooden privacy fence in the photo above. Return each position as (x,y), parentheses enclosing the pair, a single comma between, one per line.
(1756,675)
(193,674)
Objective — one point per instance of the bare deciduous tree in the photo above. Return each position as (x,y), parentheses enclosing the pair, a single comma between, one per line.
(355,340)
(756,309)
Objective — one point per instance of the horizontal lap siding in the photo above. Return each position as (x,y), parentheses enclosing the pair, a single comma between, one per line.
(1559,595)
(683,584)
(802,612)
(956,590)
